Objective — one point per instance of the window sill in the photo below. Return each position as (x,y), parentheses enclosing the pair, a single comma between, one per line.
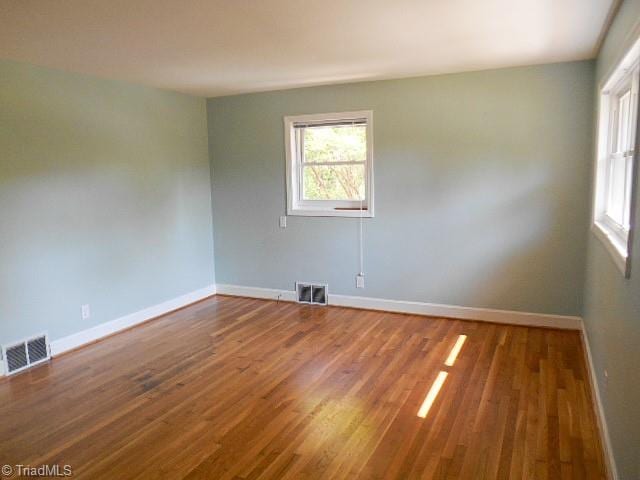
(613,245)
(330,213)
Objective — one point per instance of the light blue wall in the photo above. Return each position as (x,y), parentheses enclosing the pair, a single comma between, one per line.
(612,303)
(105,199)
(481,190)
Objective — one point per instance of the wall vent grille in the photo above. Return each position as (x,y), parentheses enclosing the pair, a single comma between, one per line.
(37,350)
(16,358)
(312,293)
(26,353)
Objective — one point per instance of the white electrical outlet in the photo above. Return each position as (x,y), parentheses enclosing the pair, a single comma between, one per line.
(86,312)
(359,281)
(283,221)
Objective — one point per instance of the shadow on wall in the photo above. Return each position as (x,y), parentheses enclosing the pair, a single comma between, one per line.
(496,224)
(104,199)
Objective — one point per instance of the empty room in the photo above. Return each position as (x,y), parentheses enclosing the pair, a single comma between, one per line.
(341,239)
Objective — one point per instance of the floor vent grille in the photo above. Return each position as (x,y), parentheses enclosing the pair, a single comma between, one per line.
(16,358)
(37,350)
(312,293)
(27,353)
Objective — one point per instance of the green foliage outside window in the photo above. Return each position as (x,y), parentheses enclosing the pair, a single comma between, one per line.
(326,145)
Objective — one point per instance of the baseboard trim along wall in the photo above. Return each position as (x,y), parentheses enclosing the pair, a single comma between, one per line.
(417,308)
(92,334)
(108,328)
(612,471)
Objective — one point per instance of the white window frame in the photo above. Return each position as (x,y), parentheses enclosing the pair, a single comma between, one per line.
(296,205)
(616,237)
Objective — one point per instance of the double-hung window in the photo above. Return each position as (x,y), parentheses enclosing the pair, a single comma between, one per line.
(330,164)
(617,158)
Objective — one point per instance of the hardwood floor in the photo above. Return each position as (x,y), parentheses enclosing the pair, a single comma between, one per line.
(237,388)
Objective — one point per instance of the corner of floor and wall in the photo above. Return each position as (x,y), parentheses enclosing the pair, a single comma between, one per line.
(114,195)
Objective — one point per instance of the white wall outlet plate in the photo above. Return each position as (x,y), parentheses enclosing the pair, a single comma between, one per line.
(86,312)
(283,221)
(359,281)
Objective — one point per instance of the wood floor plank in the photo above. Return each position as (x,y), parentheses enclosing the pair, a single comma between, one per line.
(238,388)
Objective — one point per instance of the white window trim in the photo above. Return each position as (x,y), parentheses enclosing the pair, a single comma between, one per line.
(326,208)
(614,237)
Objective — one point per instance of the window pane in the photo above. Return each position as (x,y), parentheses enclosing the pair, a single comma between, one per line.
(334,182)
(335,143)
(626,215)
(624,120)
(617,183)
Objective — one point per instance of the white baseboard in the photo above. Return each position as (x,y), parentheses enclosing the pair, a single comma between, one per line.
(256,292)
(104,329)
(417,308)
(612,471)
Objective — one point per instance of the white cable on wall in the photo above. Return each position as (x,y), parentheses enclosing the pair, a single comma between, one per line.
(361,242)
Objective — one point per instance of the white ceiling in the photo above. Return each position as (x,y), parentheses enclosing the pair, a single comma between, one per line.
(222,47)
